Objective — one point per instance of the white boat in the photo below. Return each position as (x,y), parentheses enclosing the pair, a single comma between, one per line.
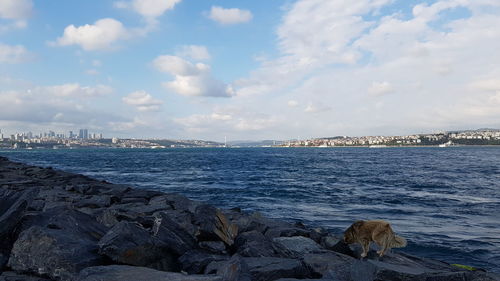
(446,144)
(377,146)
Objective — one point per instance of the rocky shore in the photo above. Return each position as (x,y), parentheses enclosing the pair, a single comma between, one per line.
(56,225)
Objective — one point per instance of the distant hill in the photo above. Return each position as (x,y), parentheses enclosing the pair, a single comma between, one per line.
(248,143)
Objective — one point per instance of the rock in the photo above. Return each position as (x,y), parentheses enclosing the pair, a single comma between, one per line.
(179,202)
(12,207)
(235,270)
(216,247)
(195,261)
(141,193)
(323,264)
(129,243)
(255,222)
(317,234)
(254,244)
(296,246)
(173,235)
(183,219)
(214,225)
(56,253)
(393,267)
(337,245)
(268,268)
(286,232)
(12,276)
(95,201)
(132,273)
(58,243)
(3,261)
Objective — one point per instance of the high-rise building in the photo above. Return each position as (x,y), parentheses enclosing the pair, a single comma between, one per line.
(71,134)
(85,133)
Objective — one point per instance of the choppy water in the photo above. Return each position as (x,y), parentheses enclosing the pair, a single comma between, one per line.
(445,201)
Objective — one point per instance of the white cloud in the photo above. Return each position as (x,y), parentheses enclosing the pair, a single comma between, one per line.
(380,88)
(92,72)
(240,121)
(191,79)
(178,66)
(13,54)
(293,103)
(58,106)
(98,36)
(487,85)
(316,108)
(142,101)
(149,9)
(153,8)
(194,52)
(16,9)
(74,90)
(229,16)
(442,67)
(97,63)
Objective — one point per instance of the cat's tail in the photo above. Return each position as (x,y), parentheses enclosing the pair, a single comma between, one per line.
(397,242)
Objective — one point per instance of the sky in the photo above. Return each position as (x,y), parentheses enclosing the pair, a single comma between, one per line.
(249,70)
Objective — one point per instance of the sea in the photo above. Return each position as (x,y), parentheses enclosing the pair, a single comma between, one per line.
(444,201)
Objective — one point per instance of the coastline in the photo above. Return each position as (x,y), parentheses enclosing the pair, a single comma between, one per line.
(116,232)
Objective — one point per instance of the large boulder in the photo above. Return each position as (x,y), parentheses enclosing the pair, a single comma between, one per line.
(213,225)
(269,268)
(12,207)
(176,238)
(195,261)
(129,243)
(254,244)
(13,276)
(330,264)
(133,273)
(235,269)
(296,246)
(58,245)
(396,267)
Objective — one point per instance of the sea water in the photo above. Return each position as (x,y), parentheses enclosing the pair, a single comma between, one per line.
(445,201)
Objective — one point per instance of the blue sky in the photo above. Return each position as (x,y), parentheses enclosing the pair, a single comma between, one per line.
(249,69)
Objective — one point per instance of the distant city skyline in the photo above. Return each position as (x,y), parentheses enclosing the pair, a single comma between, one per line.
(249,70)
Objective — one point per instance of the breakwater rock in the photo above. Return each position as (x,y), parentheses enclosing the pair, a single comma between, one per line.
(56,225)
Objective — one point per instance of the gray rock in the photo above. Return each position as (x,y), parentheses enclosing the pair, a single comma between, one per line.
(195,261)
(254,244)
(286,232)
(173,235)
(395,267)
(296,246)
(95,201)
(132,273)
(183,219)
(214,225)
(338,245)
(57,243)
(13,276)
(12,207)
(216,247)
(268,268)
(330,263)
(235,270)
(56,253)
(129,243)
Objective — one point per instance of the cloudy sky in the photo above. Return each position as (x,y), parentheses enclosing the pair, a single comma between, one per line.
(249,70)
